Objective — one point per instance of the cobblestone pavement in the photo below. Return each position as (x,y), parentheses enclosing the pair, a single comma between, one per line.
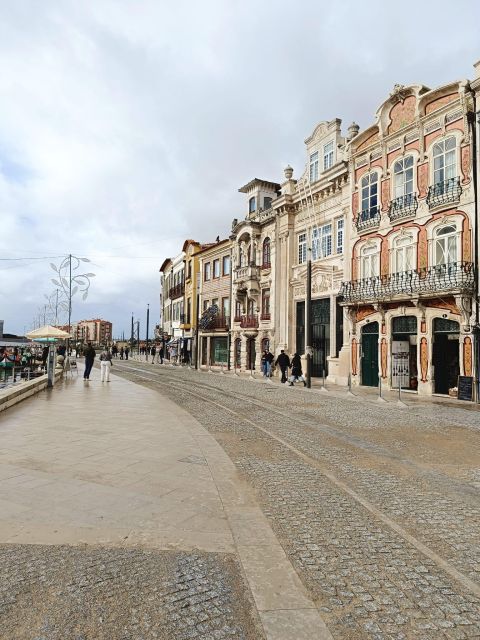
(65,593)
(377,506)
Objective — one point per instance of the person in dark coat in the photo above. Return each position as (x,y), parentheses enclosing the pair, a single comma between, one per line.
(297,373)
(153,351)
(89,358)
(160,355)
(127,351)
(283,361)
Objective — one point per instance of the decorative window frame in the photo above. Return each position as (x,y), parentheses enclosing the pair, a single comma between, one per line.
(393,237)
(378,172)
(434,226)
(364,244)
(391,171)
(458,135)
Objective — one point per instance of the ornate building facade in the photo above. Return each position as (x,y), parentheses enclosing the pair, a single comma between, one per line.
(410,290)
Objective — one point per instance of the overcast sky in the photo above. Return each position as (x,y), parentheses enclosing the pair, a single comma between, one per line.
(128,126)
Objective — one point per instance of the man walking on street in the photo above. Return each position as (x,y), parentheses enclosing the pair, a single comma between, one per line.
(283,361)
(89,358)
(153,351)
(127,351)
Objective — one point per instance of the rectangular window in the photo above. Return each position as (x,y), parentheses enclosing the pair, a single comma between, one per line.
(340,235)
(266,302)
(238,309)
(314,167)
(207,271)
(226,265)
(321,241)
(189,269)
(326,246)
(215,302)
(216,268)
(302,248)
(328,156)
(205,305)
(226,307)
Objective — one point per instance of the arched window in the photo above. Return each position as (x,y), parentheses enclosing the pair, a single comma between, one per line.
(369,196)
(369,261)
(403,254)
(445,249)
(266,254)
(444,161)
(403,177)
(251,205)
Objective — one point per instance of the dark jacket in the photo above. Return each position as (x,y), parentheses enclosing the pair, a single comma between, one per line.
(269,357)
(89,354)
(153,351)
(296,365)
(283,361)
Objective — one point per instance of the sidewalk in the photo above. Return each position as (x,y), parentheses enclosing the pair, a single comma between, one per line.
(118,465)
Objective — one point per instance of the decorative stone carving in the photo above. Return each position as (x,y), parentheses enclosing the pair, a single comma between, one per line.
(288,172)
(422,180)
(467,356)
(423,359)
(403,113)
(466,164)
(385,194)
(354,356)
(383,357)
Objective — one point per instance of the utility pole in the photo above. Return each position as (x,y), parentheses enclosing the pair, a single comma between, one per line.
(131,337)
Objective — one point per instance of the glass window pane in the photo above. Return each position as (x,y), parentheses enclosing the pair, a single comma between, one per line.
(450,143)
(408,162)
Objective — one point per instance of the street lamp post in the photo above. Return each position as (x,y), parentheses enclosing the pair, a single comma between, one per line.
(146,333)
(308,319)
(131,337)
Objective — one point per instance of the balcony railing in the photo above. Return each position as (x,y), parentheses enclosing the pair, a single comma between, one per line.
(403,207)
(246,273)
(444,192)
(265,316)
(249,322)
(266,265)
(443,278)
(368,219)
(177,291)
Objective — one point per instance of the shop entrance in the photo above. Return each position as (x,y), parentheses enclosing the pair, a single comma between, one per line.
(370,354)
(251,354)
(445,359)
(404,352)
(320,336)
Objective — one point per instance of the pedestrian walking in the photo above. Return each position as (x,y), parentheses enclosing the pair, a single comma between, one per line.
(153,351)
(89,358)
(283,361)
(160,355)
(105,365)
(127,351)
(121,353)
(269,358)
(297,373)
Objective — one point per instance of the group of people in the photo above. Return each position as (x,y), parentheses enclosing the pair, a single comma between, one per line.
(121,353)
(105,362)
(284,363)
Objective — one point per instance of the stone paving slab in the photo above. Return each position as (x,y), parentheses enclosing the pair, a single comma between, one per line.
(121,469)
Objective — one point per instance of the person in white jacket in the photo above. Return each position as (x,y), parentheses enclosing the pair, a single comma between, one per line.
(105,365)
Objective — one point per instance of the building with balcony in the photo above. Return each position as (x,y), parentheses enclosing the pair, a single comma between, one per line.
(254,250)
(188,322)
(410,286)
(214,300)
(166,303)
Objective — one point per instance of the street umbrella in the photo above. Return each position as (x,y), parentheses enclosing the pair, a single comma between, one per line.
(48,333)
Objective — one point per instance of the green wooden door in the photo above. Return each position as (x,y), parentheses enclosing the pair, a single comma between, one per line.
(370,355)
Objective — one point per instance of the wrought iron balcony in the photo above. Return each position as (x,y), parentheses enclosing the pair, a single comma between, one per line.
(265,316)
(249,322)
(403,207)
(368,219)
(217,322)
(237,318)
(444,192)
(454,277)
(177,291)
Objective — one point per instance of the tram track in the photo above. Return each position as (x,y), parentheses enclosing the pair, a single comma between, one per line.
(201,392)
